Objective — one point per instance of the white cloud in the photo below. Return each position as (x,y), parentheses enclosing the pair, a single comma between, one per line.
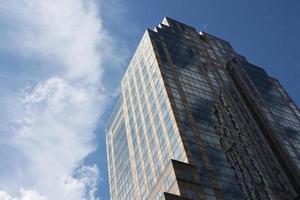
(68,32)
(24,195)
(49,124)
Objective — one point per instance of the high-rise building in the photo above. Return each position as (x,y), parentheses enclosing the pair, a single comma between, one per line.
(195,120)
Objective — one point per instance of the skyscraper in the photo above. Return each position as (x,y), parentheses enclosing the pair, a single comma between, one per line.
(196,120)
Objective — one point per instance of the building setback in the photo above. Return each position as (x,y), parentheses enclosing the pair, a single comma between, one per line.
(195,120)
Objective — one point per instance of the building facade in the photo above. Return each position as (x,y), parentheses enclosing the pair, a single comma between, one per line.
(195,120)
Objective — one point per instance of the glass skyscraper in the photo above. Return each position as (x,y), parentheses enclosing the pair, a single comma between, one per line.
(195,120)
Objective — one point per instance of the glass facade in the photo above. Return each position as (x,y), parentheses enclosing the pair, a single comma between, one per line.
(279,110)
(183,127)
(149,124)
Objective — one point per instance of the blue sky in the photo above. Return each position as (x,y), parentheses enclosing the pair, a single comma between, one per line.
(61,63)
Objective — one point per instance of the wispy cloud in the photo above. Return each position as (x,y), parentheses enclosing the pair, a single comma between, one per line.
(47,124)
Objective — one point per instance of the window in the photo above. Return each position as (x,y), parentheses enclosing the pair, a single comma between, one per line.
(158,195)
(168,182)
